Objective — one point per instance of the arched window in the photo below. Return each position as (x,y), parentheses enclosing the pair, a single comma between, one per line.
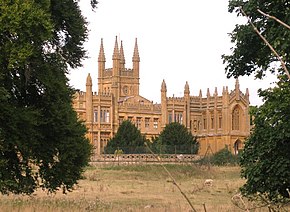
(236,118)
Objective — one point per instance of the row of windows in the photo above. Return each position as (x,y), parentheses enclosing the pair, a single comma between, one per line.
(139,121)
(178,117)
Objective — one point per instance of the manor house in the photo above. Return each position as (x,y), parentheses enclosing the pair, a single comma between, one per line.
(217,120)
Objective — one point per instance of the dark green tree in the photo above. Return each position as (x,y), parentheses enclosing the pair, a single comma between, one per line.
(42,143)
(265,160)
(176,138)
(128,138)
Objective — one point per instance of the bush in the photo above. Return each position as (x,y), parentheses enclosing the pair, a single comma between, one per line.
(221,158)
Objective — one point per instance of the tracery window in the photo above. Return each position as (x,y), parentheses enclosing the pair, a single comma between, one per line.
(236,119)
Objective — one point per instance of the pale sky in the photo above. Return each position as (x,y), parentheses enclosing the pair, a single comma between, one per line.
(178,41)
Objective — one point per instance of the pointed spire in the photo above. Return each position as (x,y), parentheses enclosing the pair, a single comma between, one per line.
(247,92)
(136,57)
(102,57)
(186,88)
(237,89)
(163,86)
(89,80)
(215,91)
(200,93)
(122,57)
(116,54)
(224,90)
(237,86)
(208,93)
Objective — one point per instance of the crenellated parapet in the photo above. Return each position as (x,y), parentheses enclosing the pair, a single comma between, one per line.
(175,99)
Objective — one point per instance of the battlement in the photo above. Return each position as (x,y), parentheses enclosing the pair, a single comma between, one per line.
(176,99)
(139,106)
(95,94)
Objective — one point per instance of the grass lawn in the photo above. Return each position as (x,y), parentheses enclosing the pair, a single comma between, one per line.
(144,187)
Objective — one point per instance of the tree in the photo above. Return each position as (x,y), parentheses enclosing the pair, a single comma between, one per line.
(42,142)
(265,161)
(251,54)
(128,138)
(175,138)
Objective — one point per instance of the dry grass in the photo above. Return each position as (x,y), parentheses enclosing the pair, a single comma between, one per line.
(138,188)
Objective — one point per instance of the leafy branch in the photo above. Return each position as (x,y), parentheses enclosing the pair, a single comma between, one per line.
(266,42)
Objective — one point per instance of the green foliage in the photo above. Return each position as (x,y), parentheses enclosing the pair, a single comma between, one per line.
(224,157)
(42,143)
(265,161)
(250,54)
(175,139)
(128,137)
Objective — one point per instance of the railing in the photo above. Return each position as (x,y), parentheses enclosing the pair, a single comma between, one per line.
(135,158)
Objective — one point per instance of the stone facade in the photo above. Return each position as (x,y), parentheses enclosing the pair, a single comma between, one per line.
(217,120)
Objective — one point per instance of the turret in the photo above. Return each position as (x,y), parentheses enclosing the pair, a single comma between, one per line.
(163,104)
(247,94)
(207,93)
(163,87)
(186,89)
(200,93)
(237,89)
(101,60)
(136,59)
(186,114)
(215,92)
(89,99)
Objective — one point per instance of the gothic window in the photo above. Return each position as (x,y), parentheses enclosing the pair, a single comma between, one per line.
(236,119)
(195,125)
(155,123)
(169,117)
(212,121)
(95,116)
(147,122)
(105,115)
(220,121)
(121,119)
(204,123)
(178,117)
(138,122)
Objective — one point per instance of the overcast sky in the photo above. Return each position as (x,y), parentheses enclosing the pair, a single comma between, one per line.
(178,41)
